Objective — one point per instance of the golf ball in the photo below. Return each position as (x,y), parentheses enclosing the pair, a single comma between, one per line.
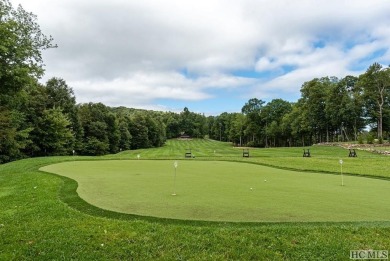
(265,180)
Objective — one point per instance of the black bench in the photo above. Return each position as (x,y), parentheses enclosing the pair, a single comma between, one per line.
(245,153)
(352,153)
(306,153)
(188,154)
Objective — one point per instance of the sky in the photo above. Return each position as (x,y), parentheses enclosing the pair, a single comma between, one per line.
(211,56)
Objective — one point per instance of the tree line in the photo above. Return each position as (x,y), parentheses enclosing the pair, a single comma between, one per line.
(44,119)
(330,110)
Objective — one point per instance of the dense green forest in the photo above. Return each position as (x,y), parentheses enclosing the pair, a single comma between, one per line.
(44,119)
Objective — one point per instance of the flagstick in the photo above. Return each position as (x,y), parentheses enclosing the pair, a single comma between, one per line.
(341,170)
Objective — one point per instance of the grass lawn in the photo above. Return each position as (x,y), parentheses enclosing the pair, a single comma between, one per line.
(226,191)
(323,158)
(42,217)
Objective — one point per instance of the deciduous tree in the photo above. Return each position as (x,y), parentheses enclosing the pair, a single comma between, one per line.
(375,83)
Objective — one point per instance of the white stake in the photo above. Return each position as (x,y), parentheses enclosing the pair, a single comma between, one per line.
(341,171)
(174,179)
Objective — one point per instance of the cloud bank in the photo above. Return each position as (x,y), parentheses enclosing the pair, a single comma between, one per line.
(139,53)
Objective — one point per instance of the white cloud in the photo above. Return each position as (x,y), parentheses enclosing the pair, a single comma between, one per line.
(140,89)
(132,52)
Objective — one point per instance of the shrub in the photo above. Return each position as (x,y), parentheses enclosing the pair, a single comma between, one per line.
(250,144)
(370,138)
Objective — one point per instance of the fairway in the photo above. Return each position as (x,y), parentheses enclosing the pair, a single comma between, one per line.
(226,191)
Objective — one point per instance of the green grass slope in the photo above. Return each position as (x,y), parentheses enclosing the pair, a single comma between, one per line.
(41,217)
(323,158)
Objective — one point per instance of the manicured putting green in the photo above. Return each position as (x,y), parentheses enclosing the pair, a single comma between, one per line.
(226,191)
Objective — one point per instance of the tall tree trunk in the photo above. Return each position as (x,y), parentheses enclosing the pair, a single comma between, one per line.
(380,119)
(327,133)
(381,101)
(345,133)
